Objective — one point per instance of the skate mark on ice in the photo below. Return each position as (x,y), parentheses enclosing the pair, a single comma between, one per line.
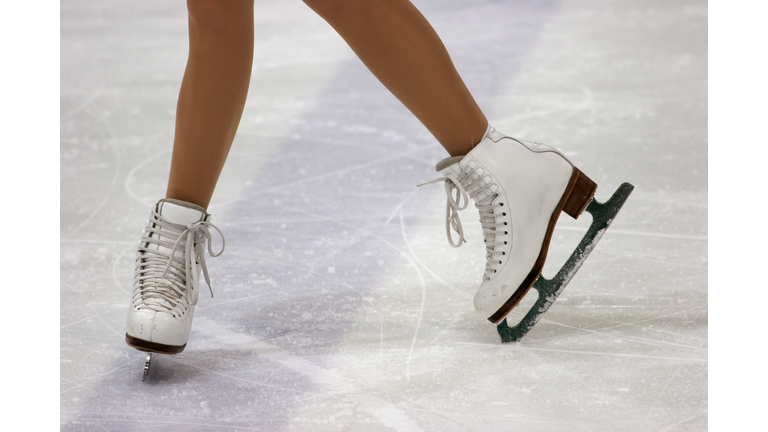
(633,233)
(674,200)
(115,263)
(653,258)
(80,383)
(651,342)
(117,402)
(251,222)
(655,317)
(83,105)
(662,279)
(313,179)
(431,273)
(73,170)
(91,241)
(299,401)
(209,305)
(604,331)
(408,195)
(413,255)
(514,421)
(515,120)
(108,311)
(93,346)
(663,392)
(619,324)
(344,284)
(421,306)
(355,144)
(582,352)
(661,235)
(238,378)
(683,421)
(113,183)
(588,278)
(402,253)
(386,412)
(129,178)
(558,106)
(412,258)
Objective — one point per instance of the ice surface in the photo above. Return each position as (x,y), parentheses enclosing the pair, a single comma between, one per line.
(339,303)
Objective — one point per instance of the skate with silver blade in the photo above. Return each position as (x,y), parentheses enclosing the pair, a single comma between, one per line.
(549,289)
(169,263)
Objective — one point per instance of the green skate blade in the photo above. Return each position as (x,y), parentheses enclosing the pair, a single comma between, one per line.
(548,290)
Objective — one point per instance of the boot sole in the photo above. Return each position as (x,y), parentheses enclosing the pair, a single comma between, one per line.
(141,344)
(580,191)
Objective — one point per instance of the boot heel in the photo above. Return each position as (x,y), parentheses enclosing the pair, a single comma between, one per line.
(581,194)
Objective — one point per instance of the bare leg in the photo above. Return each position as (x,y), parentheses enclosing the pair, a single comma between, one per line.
(395,41)
(212,95)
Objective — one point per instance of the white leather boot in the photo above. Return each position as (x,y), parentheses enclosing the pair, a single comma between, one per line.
(169,260)
(519,188)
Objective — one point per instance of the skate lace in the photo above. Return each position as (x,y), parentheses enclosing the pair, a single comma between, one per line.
(171,256)
(472,183)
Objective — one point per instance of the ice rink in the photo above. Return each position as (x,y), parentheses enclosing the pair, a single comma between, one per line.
(339,304)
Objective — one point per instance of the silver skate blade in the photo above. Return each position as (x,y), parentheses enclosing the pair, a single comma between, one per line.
(549,290)
(147,364)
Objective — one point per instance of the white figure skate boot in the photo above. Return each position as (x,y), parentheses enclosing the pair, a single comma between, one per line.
(520,188)
(169,260)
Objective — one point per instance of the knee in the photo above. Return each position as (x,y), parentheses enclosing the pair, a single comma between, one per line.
(219,16)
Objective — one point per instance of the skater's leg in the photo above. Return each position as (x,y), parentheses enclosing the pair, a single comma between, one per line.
(170,256)
(401,48)
(212,95)
(519,188)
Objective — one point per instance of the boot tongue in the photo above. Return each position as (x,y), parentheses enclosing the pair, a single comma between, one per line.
(448,163)
(180,212)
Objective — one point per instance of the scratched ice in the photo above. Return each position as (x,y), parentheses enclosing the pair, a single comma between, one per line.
(339,304)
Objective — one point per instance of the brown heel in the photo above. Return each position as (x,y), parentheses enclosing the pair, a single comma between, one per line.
(581,194)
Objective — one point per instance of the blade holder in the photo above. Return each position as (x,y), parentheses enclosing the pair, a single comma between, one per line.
(549,289)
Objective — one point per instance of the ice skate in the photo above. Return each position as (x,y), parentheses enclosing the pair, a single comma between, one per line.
(520,188)
(169,261)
